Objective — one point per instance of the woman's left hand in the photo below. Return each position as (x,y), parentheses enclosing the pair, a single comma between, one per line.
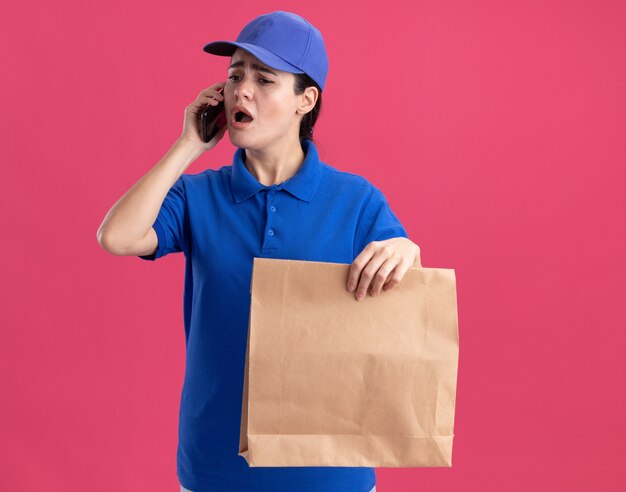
(383,264)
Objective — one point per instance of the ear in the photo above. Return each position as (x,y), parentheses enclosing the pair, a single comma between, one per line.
(307,100)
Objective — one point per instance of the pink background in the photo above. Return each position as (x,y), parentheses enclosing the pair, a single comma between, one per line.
(496,129)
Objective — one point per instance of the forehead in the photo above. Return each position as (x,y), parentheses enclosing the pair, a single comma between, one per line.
(248,58)
(241,54)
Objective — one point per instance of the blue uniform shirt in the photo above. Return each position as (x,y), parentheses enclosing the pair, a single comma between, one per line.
(221,219)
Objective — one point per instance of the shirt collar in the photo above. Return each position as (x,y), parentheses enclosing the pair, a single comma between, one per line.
(302,184)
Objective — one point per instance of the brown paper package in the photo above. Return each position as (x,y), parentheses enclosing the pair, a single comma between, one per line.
(332,381)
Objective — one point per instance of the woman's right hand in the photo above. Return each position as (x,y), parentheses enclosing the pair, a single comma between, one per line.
(191,128)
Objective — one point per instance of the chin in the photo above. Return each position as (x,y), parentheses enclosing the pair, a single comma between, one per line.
(244,140)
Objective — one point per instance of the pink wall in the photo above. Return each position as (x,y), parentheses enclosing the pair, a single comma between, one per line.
(496,130)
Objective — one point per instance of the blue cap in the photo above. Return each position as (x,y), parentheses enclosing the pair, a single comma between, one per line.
(282,40)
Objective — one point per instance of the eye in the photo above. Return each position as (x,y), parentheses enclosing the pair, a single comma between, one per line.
(262,80)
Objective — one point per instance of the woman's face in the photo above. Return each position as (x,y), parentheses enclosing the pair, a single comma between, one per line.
(268,95)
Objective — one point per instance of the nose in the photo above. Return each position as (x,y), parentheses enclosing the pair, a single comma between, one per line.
(243,89)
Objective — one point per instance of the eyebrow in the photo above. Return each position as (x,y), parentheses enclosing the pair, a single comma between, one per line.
(256,66)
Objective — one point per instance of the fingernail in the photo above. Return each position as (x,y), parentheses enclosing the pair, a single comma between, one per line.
(359,296)
(350,287)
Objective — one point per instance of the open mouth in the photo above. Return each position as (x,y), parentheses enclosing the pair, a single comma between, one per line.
(242,117)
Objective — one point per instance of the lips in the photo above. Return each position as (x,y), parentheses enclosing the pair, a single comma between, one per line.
(240,114)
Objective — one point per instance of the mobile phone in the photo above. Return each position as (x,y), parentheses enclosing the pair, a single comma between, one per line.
(212,118)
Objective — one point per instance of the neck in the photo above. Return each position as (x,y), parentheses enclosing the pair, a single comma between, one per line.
(275,164)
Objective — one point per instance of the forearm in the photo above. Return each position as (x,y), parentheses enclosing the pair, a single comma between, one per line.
(131,217)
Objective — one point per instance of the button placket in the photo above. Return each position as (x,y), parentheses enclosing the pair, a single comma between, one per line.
(272,208)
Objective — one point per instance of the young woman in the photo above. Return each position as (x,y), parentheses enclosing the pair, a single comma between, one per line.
(276,200)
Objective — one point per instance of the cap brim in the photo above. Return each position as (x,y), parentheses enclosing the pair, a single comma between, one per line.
(227,48)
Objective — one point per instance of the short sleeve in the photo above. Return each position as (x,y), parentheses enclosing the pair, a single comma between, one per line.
(171,224)
(376,222)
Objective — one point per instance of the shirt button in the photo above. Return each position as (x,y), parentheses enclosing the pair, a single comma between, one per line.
(270,232)
(273,208)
